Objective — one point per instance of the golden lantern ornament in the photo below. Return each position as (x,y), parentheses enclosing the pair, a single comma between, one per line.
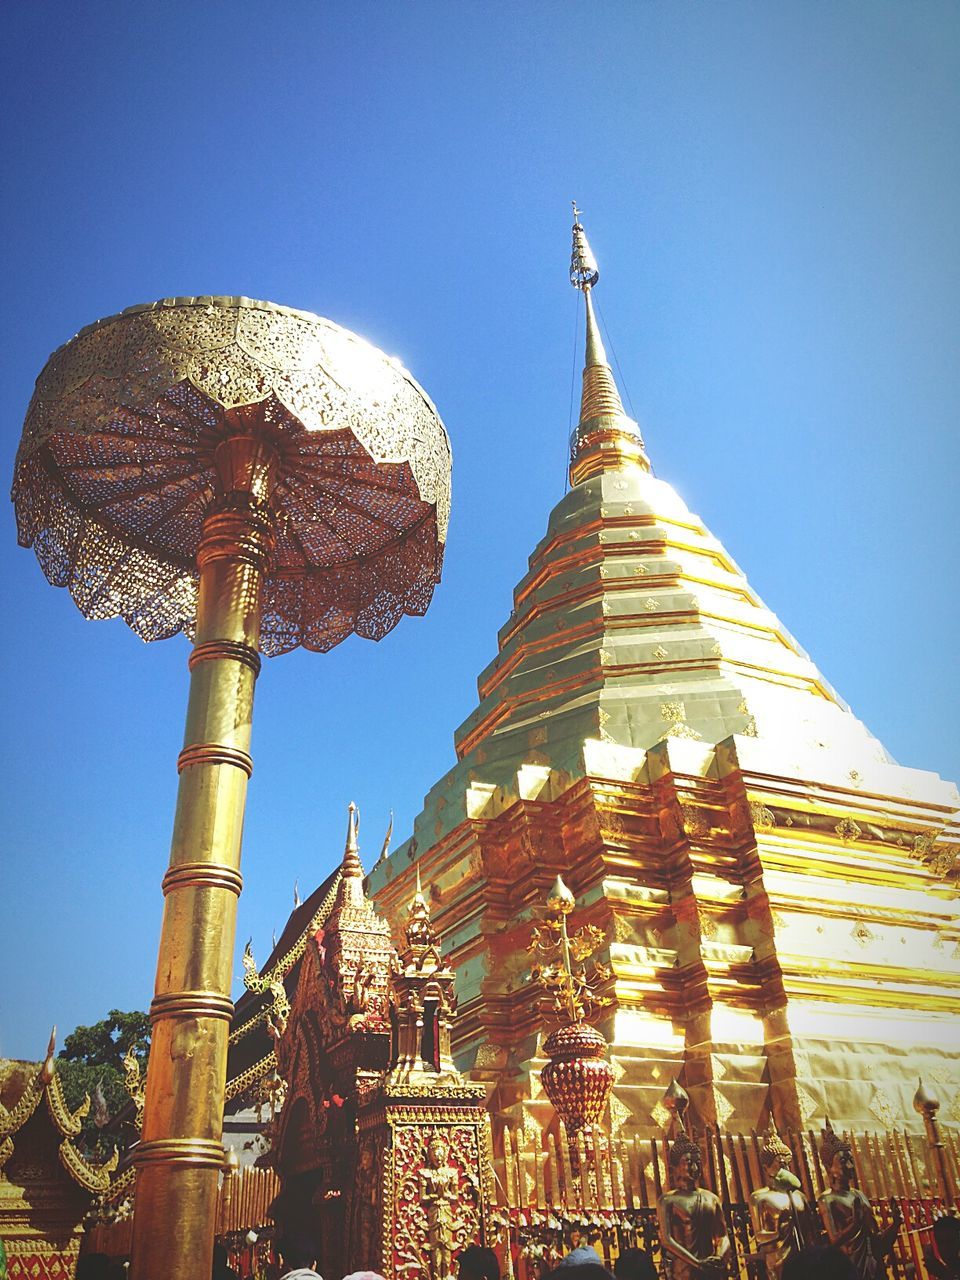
(577,1078)
(260,479)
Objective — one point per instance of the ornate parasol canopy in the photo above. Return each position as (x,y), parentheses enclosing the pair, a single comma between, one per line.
(115,469)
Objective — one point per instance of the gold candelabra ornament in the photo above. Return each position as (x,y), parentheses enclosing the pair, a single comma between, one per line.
(577,1078)
(260,479)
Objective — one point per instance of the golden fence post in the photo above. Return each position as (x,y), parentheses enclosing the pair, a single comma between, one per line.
(539,1169)
(557,1200)
(927,1105)
(569,1181)
(641,1172)
(519,1147)
(509,1170)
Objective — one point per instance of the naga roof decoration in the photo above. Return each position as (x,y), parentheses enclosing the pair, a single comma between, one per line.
(43,1083)
(250,1056)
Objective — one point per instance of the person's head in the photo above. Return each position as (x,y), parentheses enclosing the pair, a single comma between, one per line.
(686,1163)
(634,1264)
(478,1263)
(363,1275)
(818,1263)
(93,1266)
(583,1263)
(946,1236)
(298,1250)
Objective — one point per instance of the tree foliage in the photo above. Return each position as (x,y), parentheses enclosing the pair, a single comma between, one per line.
(92,1059)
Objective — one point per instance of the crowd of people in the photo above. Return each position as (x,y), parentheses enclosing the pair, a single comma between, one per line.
(581,1263)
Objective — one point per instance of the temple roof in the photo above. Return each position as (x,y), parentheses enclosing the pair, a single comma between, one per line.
(23,1085)
(250,1052)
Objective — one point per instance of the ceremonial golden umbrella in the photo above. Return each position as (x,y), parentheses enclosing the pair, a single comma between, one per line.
(261,479)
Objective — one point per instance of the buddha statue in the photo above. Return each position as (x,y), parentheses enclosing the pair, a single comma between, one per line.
(848,1215)
(782,1221)
(693,1231)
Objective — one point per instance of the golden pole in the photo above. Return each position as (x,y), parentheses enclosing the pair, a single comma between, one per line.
(180,1153)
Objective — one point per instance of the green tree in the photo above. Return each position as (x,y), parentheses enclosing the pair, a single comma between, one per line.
(91,1062)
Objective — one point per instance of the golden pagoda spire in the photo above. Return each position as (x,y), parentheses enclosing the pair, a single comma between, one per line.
(350,890)
(351,867)
(605,439)
(419,930)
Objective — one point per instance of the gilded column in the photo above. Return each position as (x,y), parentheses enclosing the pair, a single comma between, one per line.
(180,1154)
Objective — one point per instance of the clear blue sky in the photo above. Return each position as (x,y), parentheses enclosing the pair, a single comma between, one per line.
(772,192)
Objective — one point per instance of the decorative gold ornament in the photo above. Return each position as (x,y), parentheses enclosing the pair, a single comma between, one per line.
(260,479)
(134,1085)
(847,829)
(578,1078)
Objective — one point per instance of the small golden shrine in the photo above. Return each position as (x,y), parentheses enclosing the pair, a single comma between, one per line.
(778,897)
(381,1145)
(46,1184)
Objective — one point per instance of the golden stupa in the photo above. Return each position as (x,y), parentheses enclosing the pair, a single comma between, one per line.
(779,896)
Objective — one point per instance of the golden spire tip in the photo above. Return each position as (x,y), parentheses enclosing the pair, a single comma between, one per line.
(604,438)
(584,272)
(351,855)
(49,1067)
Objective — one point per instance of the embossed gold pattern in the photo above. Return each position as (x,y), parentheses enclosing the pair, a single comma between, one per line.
(115,468)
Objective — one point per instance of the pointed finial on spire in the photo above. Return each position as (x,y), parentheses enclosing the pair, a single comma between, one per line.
(385,850)
(48,1068)
(420,931)
(584,272)
(604,438)
(296,894)
(351,855)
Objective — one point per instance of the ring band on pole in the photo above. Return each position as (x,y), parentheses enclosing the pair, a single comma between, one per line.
(191,1004)
(215,649)
(202,875)
(199,1152)
(214,753)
